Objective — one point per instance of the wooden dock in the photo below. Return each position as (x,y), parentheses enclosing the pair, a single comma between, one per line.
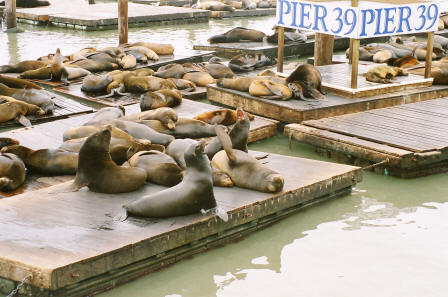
(72,246)
(243,13)
(103,16)
(411,139)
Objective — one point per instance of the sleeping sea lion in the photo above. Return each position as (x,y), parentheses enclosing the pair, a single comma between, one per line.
(23,66)
(113,51)
(47,161)
(170,71)
(141,131)
(158,99)
(185,128)
(218,70)
(222,116)
(199,78)
(244,170)
(94,83)
(306,81)
(407,61)
(6,141)
(147,52)
(215,6)
(141,84)
(18,83)
(242,84)
(160,168)
(167,116)
(32,96)
(105,115)
(128,62)
(11,108)
(102,57)
(384,74)
(190,196)
(97,171)
(238,34)
(269,90)
(183,84)
(158,48)
(12,172)
(250,62)
(94,66)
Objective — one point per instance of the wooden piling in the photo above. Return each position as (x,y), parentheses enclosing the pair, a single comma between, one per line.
(91,1)
(281,45)
(429,50)
(11,21)
(323,49)
(354,50)
(123,21)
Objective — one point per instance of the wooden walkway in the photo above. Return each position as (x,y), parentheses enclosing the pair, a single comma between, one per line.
(412,137)
(72,246)
(103,16)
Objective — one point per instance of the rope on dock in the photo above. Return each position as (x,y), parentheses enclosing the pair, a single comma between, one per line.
(19,286)
(376,164)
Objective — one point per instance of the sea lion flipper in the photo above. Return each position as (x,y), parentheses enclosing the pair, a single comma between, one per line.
(311,90)
(122,216)
(226,142)
(23,120)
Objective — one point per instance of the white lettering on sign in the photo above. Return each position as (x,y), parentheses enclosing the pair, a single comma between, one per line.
(355,22)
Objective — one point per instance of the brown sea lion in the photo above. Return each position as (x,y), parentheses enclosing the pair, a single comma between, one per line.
(57,68)
(222,116)
(32,96)
(147,52)
(269,90)
(158,48)
(162,98)
(81,54)
(128,62)
(244,170)
(12,172)
(176,149)
(23,66)
(94,66)
(6,141)
(200,78)
(94,83)
(11,108)
(249,62)
(407,61)
(190,196)
(97,171)
(47,161)
(440,75)
(113,51)
(18,83)
(218,70)
(167,116)
(105,115)
(103,57)
(160,168)
(238,34)
(170,71)
(242,84)
(183,84)
(215,6)
(306,82)
(141,131)
(141,84)
(185,128)
(384,74)
(143,72)
(221,179)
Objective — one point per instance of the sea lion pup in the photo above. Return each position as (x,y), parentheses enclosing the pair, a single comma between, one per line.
(223,116)
(160,168)
(97,171)
(94,66)
(12,172)
(11,108)
(158,99)
(18,83)
(238,136)
(141,84)
(238,34)
(185,128)
(23,66)
(218,70)
(269,90)
(105,115)
(306,82)
(384,74)
(242,84)
(94,83)
(190,196)
(167,116)
(407,61)
(199,78)
(183,84)
(158,48)
(244,170)
(170,71)
(47,161)
(32,96)
(141,131)
(250,62)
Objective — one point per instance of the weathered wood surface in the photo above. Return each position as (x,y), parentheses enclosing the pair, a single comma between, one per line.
(75,238)
(296,111)
(104,15)
(412,137)
(323,49)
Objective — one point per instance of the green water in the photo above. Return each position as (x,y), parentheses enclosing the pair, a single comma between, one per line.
(388,238)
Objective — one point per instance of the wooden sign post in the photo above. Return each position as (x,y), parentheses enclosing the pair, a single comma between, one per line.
(429,49)
(354,57)
(11,21)
(122,21)
(281,45)
(323,49)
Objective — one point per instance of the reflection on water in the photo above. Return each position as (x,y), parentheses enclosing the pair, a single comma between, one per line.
(388,238)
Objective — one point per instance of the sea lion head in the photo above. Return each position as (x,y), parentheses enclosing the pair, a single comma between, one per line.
(194,153)
(98,141)
(274,183)
(169,118)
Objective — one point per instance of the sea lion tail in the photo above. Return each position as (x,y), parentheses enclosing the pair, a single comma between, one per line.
(226,142)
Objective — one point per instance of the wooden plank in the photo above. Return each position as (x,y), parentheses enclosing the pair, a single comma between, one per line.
(78,248)
(323,49)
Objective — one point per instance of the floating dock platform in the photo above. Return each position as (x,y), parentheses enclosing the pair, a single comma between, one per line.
(411,140)
(103,16)
(243,13)
(71,245)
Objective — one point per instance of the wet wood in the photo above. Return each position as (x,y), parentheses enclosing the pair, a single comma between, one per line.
(281,48)
(122,21)
(323,49)
(10,14)
(413,137)
(77,247)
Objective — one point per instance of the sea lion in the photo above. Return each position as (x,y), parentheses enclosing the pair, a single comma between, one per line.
(238,136)
(440,75)
(222,116)
(18,83)
(57,68)
(407,61)
(185,128)
(158,48)
(443,41)
(94,66)
(99,173)
(12,172)
(215,6)
(190,196)
(242,84)
(306,82)
(47,161)
(78,55)
(238,34)
(143,72)
(218,70)
(11,108)
(289,37)
(141,84)
(32,96)
(158,99)
(141,131)
(6,141)
(170,71)
(199,78)
(94,83)
(183,84)
(139,56)
(269,90)
(176,149)
(244,170)
(113,51)
(384,74)
(160,168)
(167,116)
(23,66)
(147,52)
(249,62)
(221,179)
(128,62)
(102,57)
(249,5)
(105,115)
(28,3)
